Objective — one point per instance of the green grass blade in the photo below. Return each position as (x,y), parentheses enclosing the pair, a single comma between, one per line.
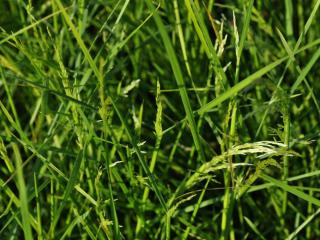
(196,209)
(302,74)
(23,30)
(307,25)
(239,86)
(243,36)
(205,39)
(76,221)
(179,79)
(292,190)
(36,191)
(289,15)
(295,233)
(290,179)
(68,189)
(101,82)
(22,195)
(295,50)
(107,154)
(254,228)
(305,71)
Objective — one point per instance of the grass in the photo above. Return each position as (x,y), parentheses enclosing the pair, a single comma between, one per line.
(159,119)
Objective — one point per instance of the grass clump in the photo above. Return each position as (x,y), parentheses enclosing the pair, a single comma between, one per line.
(159,119)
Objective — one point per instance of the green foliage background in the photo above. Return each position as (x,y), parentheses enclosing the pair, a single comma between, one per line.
(159,119)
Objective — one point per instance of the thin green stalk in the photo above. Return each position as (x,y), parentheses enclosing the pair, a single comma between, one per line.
(244,33)
(38,207)
(196,209)
(229,181)
(295,233)
(289,19)
(286,133)
(22,194)
(159,134)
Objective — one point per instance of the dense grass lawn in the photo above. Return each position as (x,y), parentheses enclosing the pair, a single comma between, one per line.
(154,119)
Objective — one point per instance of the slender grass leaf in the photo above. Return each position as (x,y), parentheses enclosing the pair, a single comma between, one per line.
(22,195)
(179,79)
(254,228)
(240,86)
(302,226)
(292,190)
